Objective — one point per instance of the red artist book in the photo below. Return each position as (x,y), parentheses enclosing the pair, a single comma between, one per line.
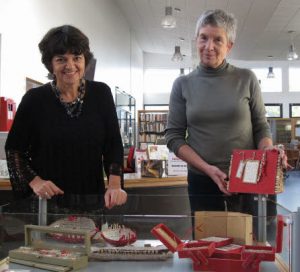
(255,171)
(206,256)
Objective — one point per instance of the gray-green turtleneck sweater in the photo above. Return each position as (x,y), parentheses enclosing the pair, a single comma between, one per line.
(215,111)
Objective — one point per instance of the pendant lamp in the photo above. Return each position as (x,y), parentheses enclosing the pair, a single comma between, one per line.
(168,21)
(292,54)
(270,73)
(177,56)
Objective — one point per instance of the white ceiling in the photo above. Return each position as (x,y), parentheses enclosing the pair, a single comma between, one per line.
(263,25)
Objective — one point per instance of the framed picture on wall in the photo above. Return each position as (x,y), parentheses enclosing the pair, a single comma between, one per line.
(31,83)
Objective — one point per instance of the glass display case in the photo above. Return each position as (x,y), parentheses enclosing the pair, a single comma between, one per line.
(125,107)
(169,238)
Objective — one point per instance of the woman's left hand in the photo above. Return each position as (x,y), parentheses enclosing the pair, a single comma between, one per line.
(283,156)
(114,194)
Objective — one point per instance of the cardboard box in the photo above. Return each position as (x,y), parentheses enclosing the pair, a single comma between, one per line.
(224,224)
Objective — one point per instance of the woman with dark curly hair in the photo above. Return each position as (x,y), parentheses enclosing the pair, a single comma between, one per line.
(66,131)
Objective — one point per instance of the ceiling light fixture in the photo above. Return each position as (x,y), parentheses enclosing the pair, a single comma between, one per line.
(181,71)
(292,54)
(270,73)
(177,56)
(168,21)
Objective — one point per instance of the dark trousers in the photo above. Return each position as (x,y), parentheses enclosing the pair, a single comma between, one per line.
(204,195)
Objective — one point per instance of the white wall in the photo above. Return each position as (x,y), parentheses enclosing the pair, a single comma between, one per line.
(24,22)
(137,74)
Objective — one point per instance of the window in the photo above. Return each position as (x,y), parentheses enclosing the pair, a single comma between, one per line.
(273,110)
(294,110)
(294,79)
(269,84)
(159,80)
(156,107)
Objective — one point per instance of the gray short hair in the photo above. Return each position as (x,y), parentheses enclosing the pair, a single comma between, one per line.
(218,18)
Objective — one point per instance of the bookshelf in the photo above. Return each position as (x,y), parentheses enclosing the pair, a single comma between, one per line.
(151,126)
(284,129)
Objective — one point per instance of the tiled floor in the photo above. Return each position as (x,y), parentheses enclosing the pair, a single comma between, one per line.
(290,198)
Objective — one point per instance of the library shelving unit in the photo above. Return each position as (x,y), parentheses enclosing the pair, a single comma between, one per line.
(151,126)
(284,129)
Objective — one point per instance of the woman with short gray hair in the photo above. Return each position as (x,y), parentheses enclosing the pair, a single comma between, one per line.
(214,109)
(218,18)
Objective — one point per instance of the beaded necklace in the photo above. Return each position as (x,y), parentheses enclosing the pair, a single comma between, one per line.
(73,108)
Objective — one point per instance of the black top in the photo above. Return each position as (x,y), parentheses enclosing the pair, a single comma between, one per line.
(71,152)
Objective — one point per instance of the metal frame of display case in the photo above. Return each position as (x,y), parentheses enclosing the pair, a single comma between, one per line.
(295,250)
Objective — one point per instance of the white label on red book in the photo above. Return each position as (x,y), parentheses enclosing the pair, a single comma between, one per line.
(251,171)
(239,172)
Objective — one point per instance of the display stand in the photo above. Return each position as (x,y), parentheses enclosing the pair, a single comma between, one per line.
(262,218)
(42,212)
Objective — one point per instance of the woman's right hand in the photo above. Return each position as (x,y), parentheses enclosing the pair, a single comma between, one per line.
(218,177)
(44,188)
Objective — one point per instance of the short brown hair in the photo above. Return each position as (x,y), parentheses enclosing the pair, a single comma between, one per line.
(63,39)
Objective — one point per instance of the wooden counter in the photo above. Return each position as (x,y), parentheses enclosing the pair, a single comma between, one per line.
(134,181)
(5,185)
(131,181)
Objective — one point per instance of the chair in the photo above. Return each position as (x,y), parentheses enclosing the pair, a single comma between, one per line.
(130,167)
(293,157)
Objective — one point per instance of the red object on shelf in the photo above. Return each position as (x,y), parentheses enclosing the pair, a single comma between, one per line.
(206,257)
(7,113)
(130,168)
(118,235)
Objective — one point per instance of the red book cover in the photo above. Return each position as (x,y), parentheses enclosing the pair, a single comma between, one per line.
(255,171)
